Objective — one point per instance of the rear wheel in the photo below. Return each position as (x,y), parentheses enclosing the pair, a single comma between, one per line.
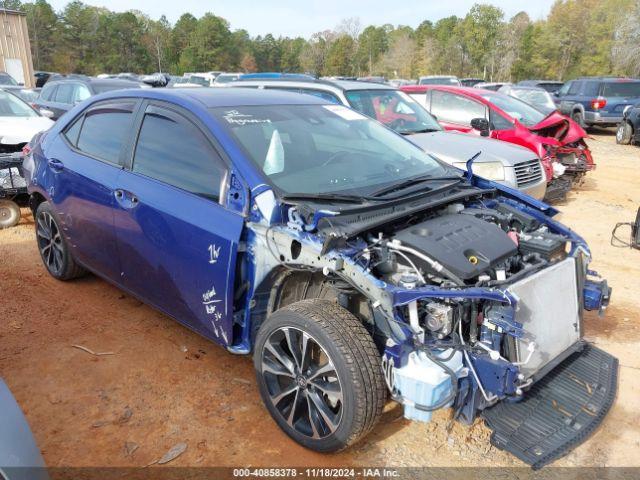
(9,213)
(319,374)
(624,133)
(53,248)
(578,117)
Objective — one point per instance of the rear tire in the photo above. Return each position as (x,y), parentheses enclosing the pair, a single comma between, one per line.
(319,374)
(624,133)
(9,213)
(54,249)
(578,117)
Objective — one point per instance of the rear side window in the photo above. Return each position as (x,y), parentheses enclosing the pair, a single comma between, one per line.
(174,151)
(73,131)
(449,107)
(64,93)
(47,92)
(591,88)
(105,130)
(564,90)
(621,89)
(575,87)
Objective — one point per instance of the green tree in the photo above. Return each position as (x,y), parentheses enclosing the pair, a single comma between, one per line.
(339,60)
(42,22)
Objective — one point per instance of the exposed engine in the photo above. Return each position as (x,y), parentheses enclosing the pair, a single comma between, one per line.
(466,247)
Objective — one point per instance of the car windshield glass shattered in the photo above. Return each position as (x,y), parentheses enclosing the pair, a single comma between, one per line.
(524,113)
(311,149)
(395,109)
(12,106)
(541,99)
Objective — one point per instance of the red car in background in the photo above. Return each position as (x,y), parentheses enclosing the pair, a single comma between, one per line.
(557,140)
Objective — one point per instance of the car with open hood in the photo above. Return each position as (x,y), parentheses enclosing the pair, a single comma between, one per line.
(558,140)
(353,266)
(502,162)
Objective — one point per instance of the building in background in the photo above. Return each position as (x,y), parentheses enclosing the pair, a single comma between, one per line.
(15,50)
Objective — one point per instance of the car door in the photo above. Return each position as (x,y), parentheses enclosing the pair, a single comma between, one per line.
(569,95)
(177,240)
(85,162)
(455,112)
(63,100)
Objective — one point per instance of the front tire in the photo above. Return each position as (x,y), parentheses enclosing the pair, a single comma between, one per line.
(624,133)
(319,374)
(9,213)
(53,247)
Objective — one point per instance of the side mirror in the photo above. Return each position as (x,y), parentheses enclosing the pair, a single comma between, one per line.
(46,113)
(482,125)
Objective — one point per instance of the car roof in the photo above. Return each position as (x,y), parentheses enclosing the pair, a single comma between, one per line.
(344,85)
(220,97)
(101,82)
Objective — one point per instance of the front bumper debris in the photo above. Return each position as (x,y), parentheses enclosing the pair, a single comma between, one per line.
(559,412)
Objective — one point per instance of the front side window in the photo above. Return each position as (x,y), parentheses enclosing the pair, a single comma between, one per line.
(105,130)
(564,90)
(174,151)
(311,149)
(12,106)
(453,108)
(395,109)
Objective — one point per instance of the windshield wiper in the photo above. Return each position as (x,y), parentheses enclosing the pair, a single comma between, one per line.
(424,130)
(412,181)
(328,197)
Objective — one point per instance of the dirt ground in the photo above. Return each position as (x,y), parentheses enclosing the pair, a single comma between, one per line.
(164,384)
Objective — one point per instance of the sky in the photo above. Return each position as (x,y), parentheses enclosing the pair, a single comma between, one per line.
(305,17)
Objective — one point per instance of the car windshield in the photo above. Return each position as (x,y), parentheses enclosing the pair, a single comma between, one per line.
(524,113)
(7,80)
(621,89)
(395,109)
(12,106)
(540,99)
(319,149)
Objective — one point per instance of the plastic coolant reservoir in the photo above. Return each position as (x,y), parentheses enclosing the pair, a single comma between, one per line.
(422,381)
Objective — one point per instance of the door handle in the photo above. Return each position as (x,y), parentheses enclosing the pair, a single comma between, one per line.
(55,164)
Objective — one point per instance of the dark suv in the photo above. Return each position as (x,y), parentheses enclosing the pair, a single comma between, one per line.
(629,128)
(598,100)
(60,96)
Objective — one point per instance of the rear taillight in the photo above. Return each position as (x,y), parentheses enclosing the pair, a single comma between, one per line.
(598,103)
(26,150)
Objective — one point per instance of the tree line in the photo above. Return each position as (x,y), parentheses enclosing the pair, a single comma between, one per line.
(578,37)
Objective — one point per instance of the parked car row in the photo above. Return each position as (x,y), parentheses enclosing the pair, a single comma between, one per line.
(556,140)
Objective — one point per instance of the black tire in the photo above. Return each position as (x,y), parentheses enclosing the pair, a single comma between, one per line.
(351,357)
(53,247)
(578,117)
(9,213)
(624,133)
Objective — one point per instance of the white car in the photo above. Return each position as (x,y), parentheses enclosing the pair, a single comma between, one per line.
(19,122)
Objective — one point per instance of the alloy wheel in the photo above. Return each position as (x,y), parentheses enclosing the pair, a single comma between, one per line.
(50,242)
(302,382)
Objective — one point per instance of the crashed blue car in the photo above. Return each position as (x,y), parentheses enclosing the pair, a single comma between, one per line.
(353,266)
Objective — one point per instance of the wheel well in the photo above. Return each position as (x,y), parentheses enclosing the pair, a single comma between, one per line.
(284,287)
(35,200)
